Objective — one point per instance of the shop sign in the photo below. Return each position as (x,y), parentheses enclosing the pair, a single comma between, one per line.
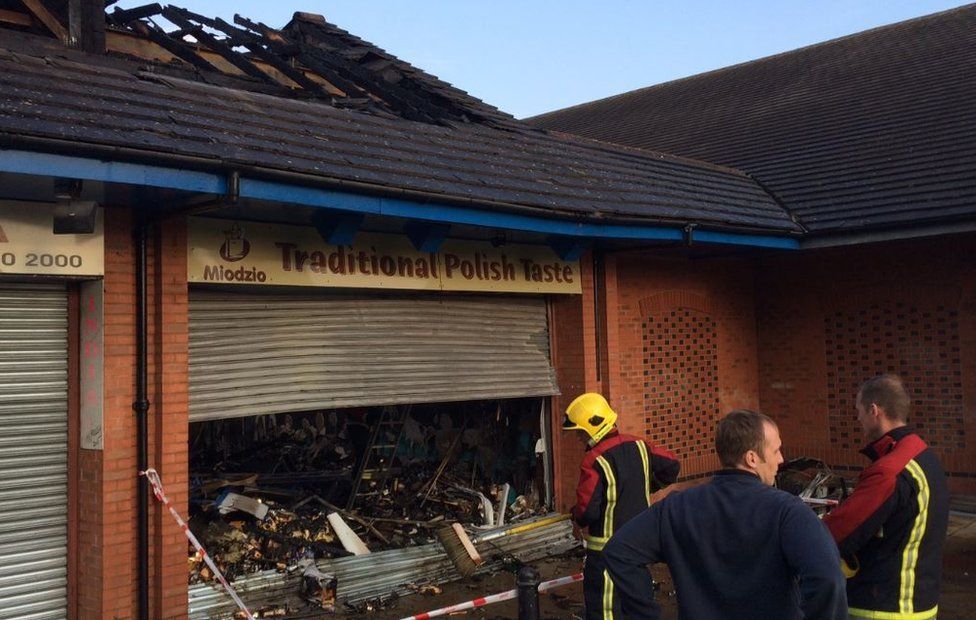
(29,246)
(251,253)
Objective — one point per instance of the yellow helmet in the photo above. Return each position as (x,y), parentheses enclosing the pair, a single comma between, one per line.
(592,414)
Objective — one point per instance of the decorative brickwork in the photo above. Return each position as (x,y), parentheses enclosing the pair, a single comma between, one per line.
(920,344)
(681,394)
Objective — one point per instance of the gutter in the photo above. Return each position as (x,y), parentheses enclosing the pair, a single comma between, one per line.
(880,236)
(113,164)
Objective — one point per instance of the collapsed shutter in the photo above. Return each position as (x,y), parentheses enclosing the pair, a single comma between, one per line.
(33,452)
(255,354)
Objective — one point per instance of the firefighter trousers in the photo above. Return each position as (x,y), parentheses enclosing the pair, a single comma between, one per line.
(598,595)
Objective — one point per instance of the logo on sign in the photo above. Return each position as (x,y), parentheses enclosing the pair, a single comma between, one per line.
(235,245)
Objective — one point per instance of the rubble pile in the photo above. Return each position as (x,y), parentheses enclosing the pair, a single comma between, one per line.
(280,492)
(813,481)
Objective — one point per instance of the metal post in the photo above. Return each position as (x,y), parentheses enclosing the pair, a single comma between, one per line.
(527,583)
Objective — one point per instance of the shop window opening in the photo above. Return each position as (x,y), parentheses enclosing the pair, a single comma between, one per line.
(262,488)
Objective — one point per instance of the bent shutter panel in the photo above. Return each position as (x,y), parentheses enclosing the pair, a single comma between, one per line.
(255,354)
(33,451)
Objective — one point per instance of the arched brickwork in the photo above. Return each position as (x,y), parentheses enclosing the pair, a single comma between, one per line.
(680,368)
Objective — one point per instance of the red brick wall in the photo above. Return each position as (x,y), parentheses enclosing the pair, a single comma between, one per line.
(572,326)
(686,333)
(107,579)
(107,568)
(169,415)
(640,293)
(831,318)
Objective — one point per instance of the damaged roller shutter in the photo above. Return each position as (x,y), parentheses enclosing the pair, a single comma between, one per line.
(33,451)
(256,354)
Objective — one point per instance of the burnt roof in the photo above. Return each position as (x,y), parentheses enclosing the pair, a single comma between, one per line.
(78,100)
(868,131)
(324,37)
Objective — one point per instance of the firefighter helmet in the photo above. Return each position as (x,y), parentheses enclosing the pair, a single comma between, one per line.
(590,413)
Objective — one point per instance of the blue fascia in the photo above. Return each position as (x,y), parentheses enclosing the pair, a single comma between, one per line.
(45,164)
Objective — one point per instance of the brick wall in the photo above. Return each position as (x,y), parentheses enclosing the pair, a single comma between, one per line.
(572,328)
(793,334)
(673,346)
(169,415)
(830,319)
(107,576)
(686,349)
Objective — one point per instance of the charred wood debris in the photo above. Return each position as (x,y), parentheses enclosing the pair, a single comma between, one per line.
(284,492)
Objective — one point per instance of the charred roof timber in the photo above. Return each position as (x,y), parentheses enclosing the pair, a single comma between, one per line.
(309,57)
(86,25)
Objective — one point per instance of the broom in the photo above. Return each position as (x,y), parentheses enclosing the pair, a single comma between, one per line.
(461,550)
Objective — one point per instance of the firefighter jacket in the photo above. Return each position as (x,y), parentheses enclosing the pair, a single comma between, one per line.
(617,477)
(892,530)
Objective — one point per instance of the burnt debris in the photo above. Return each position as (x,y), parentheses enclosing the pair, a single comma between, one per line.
(282,492)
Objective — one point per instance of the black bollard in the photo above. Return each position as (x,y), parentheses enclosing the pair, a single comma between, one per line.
(527,583)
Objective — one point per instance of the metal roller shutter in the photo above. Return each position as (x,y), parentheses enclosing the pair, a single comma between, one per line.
(256,354)
(33,451)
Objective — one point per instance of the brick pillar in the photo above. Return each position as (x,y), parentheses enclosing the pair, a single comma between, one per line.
(107,565)
(587,337)
(107,540)
(610,331)
(572,331)
(169,416)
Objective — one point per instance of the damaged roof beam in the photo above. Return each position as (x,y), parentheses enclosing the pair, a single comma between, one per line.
(39,11)
(121,17)
(13,17)
(181,18)
(265,31)
(357,79)
(180,49)
(256,45)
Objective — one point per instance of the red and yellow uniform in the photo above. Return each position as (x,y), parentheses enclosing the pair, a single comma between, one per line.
(892,529)
(617,477)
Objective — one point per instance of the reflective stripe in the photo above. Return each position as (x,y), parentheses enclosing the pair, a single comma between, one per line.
(647,471)
(893,615)
(611,495)
(909,559)
(596,543)
(607,596)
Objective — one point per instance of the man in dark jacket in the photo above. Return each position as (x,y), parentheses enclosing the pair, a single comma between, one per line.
(736,547)
(891,531)
(617,476)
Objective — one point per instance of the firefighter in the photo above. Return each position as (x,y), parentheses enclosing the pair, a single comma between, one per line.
(617,477)
(892,529)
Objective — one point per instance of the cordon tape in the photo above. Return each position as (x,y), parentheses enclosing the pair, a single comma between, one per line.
(494,598)
(157,486)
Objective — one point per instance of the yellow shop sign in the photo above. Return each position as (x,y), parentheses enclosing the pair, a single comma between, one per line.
(29,246)
(251,253)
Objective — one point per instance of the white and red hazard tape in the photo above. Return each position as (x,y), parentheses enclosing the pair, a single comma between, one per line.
(157,486)
(494,598)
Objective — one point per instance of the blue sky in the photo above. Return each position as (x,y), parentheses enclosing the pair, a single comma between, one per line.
(532,56)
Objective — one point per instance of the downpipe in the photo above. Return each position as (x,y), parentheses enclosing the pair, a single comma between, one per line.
(141,408)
